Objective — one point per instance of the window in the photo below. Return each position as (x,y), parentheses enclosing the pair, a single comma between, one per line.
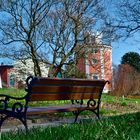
(12,80)
(94,76)
(94,61)
(94,50)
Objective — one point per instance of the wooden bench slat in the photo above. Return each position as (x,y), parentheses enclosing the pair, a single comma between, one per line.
(68,81)
(49,97)
(64,89)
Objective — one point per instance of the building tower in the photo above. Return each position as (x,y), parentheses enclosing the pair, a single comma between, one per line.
(97,63)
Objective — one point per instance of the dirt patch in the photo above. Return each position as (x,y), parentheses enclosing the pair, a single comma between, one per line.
(121,108)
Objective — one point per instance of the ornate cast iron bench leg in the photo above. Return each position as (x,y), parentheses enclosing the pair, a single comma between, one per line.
(2,119)
(76,113)
(92,105)
(21,119)
(17,110)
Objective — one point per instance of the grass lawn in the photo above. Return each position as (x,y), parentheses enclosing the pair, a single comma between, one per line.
(123,127)
(122,122)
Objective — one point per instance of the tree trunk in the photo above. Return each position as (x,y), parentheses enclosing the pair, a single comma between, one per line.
(37,70)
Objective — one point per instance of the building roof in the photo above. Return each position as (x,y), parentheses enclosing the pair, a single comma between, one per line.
(6,66)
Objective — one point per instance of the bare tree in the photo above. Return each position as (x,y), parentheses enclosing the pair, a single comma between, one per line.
(127,17)
(20,28)
(66,28)
(48,31)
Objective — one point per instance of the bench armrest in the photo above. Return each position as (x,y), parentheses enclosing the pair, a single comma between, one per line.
(16,105)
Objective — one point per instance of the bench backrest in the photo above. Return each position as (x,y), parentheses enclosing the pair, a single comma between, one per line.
(42,89)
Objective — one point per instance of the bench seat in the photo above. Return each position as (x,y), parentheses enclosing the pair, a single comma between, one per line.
(55,109)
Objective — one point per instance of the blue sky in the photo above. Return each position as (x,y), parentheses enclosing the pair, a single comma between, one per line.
(119,48)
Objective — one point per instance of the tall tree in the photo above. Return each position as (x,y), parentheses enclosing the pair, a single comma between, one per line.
(20,28)
(49,31)
(67,28)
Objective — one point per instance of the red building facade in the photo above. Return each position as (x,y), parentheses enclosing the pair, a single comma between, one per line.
(97,64)
(6,79)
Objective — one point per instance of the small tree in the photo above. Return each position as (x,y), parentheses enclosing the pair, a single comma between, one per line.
(73,71)
(133,59)
(23,70)
(126,81)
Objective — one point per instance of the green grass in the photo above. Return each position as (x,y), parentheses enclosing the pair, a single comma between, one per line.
(123,127)
(13,92)
(114,99)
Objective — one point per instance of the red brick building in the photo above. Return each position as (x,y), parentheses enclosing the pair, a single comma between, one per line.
(6,79)
(97,63)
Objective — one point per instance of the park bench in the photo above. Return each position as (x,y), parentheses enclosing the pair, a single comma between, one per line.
(51,89)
